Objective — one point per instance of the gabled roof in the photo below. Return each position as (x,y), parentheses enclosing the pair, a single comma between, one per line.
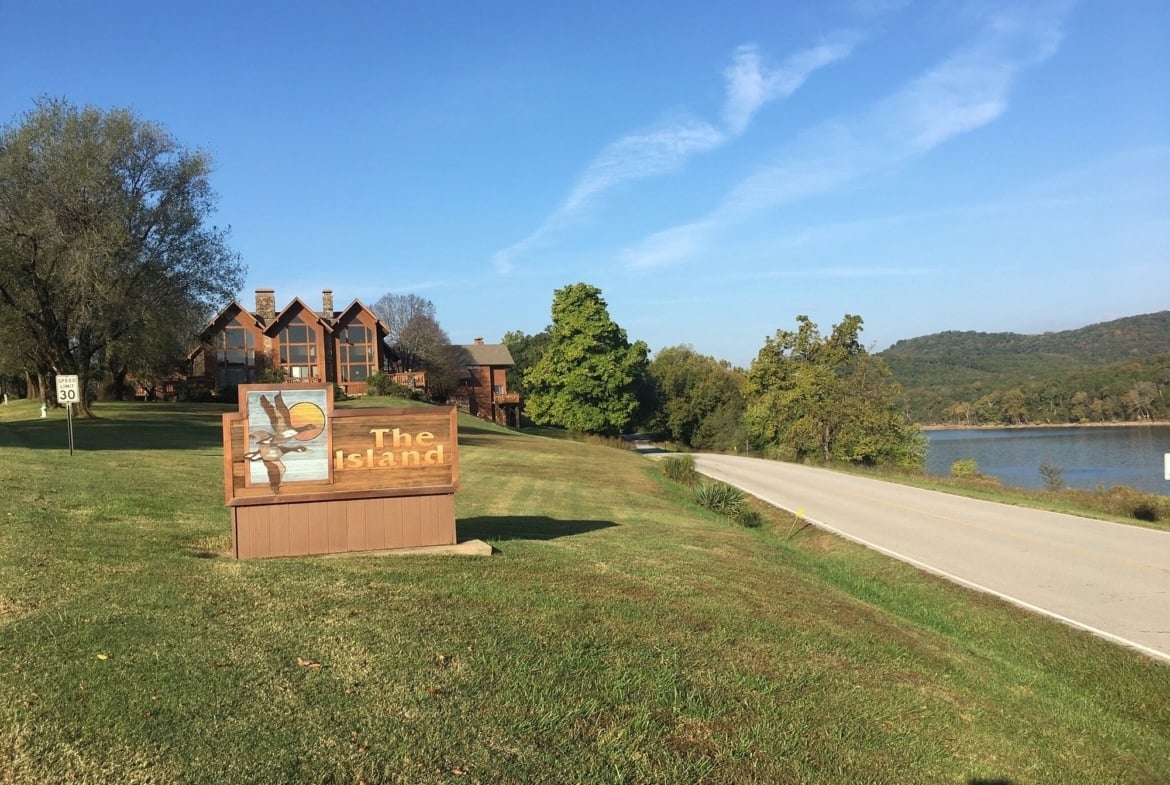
(496,354)
(289,310)
(354,307)
(224,313)
(223,317)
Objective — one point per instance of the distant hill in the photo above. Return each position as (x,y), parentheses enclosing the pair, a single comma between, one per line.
(1104,362)
(1107,342)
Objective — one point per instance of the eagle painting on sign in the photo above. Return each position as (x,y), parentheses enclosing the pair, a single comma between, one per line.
(302,478)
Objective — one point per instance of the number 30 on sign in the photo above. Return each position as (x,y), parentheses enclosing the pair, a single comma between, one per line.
(67,388)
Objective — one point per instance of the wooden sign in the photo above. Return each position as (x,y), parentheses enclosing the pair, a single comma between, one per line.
(302,478)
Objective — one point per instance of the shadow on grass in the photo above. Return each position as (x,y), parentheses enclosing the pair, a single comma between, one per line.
(103,434)
(981,781)
(491,430)
(488,440)
(524,527)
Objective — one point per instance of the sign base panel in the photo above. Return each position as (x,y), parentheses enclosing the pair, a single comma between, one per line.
(342,526)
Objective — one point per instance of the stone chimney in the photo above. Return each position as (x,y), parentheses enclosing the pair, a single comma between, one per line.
(479,341)
(327,303)
(266,304)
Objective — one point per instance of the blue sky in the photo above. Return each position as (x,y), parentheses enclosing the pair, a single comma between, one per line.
(715,168)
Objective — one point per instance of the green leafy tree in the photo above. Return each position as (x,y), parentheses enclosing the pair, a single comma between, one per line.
(1139,401)
(699,399)
(526,351)
(103,229)
(1014,407)
(150,353)
(812,396)
(590,378)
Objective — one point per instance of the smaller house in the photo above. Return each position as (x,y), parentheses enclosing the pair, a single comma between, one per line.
(483,389)
(340,347)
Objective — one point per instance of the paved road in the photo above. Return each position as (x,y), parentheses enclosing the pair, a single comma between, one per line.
(1108,578)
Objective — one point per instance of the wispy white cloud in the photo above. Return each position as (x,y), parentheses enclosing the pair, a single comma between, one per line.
(750,83)
(964,92)
(657,151)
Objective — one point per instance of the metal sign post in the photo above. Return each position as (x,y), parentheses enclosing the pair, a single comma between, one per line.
(67,392)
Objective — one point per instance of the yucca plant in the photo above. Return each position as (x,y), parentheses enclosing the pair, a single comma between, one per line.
(721,498)
(680,468)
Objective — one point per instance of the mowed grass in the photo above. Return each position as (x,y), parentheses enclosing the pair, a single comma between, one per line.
(619,634)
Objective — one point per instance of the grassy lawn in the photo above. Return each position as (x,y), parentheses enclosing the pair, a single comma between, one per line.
(619,634)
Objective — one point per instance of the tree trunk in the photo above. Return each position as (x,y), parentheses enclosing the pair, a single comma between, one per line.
(82,409)
(33,385)
(118,386)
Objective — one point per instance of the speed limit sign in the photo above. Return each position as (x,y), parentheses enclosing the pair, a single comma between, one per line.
(67,388)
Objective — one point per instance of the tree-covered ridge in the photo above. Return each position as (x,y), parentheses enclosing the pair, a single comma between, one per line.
(1106,342)
(1108,372)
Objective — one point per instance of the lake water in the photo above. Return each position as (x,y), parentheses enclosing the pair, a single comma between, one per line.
(1087,456)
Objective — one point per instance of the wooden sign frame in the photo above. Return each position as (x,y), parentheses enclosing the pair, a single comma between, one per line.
(301,478)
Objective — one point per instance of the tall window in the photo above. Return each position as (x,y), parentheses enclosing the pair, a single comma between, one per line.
(356,355)
(235,355)
(298,350)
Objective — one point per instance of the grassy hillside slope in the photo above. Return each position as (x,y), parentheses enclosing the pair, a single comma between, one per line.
(619,634)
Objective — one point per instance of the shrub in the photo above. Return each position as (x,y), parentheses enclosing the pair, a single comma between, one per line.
(749,518)
(1122,500)
(781,452)
(270,375)
(680,468)
(967,467)
(229,393)
(399,391)
(378,384)
(1146,511)
(721,498)
(1053,476)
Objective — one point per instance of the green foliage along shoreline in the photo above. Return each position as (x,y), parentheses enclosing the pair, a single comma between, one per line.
(1113,372)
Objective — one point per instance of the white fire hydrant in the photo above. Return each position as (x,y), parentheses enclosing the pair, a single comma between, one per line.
(44,410)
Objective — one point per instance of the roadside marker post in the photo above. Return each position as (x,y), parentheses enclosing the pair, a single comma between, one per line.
(67,392)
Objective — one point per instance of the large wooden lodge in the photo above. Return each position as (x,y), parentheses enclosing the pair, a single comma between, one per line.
(342,347)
